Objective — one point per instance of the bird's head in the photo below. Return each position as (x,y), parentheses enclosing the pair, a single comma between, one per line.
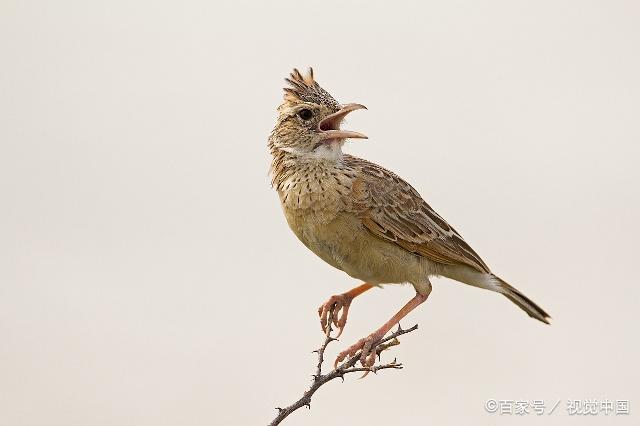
(309,119)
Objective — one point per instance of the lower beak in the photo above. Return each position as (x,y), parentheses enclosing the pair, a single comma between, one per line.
(329,127)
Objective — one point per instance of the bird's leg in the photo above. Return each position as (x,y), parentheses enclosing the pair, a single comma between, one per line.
(339,302)
(365,345)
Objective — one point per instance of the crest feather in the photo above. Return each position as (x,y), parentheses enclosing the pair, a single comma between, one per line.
(305,88)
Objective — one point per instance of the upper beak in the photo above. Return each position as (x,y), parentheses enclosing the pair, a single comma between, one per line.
(329,127)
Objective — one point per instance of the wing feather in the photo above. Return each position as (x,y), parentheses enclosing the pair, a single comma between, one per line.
(393,210)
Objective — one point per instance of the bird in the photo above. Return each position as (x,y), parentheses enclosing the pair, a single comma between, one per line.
(362,218)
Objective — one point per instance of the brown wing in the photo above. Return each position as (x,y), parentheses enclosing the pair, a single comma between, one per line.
(391,209)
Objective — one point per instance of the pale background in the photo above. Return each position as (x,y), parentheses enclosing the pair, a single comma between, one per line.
(147,275)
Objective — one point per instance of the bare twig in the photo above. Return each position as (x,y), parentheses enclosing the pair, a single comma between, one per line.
(348,366)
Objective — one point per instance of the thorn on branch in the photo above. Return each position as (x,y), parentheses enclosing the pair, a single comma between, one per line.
(346,367)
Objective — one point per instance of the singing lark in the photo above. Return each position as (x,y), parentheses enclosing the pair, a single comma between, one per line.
(362,218)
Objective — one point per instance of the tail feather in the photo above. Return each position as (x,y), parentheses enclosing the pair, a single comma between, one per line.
(526,304)
(491,282)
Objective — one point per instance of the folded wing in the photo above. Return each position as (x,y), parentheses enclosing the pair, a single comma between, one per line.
(393,210)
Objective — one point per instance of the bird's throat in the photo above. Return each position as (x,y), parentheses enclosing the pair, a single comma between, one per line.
(330,149)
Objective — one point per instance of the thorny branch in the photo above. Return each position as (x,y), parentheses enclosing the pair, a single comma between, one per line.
(348,366)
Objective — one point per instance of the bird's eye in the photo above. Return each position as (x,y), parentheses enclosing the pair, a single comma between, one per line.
(305,114)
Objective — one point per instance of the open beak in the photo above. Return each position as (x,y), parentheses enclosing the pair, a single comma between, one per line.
(329,127)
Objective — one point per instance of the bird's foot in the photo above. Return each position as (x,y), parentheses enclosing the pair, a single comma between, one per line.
(335,304)
(367,348)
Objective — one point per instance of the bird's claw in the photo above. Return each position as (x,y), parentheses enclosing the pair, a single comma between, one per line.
(367,348)
(334,305)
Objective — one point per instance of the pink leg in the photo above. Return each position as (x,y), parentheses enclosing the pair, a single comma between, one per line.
(339,302)
(368,357)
